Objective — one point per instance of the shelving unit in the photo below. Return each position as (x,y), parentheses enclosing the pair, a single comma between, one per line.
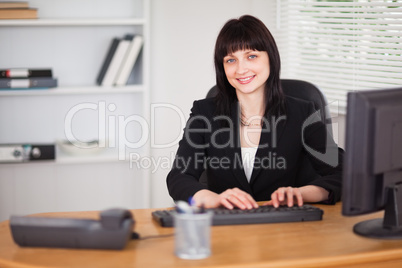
(72,38)
(91,90)
(75,22)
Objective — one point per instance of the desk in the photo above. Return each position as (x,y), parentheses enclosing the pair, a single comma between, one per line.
(329,242)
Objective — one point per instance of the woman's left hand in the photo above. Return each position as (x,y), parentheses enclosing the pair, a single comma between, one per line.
(286,196)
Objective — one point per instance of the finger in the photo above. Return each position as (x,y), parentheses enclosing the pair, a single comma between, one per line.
(253,203)
(274,199)
(237,201)
(237,197)
(226,203)
(232,198)
(281,194)
(240,195)
(299,198)
(290,196)
(247,199)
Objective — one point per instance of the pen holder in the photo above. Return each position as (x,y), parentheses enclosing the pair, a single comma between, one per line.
(192,235)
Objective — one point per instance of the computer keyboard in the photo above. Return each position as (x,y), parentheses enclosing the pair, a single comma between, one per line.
(262,214)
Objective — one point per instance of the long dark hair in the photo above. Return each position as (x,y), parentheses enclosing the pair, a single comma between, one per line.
(248,32)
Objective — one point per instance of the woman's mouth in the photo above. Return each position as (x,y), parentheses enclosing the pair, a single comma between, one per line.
(245,80)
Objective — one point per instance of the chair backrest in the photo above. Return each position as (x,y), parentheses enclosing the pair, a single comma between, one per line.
(301,90)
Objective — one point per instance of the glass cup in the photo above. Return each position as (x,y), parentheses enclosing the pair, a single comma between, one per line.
(192,235)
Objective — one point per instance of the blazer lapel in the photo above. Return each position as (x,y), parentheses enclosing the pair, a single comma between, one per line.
(272,131)
(233,149)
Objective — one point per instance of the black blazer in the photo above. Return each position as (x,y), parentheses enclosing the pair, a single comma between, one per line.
(282,158)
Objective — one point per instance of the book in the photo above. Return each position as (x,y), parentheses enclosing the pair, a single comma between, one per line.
(24,73)
(18,13)
(107,60)
(129,60)
(35,82)
(14,4)
(115,61)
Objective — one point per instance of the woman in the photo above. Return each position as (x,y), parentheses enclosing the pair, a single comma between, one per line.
(251,140)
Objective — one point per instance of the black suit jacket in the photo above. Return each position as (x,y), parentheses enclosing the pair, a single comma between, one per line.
(294,150)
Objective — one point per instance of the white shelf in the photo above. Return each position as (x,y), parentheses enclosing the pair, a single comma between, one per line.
(72,91)
(68,159)
(73,22)
(102,158)
(108,156)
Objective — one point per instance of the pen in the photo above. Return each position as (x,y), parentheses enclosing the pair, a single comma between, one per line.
(183,207)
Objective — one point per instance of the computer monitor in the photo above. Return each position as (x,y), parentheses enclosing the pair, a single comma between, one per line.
(372,175)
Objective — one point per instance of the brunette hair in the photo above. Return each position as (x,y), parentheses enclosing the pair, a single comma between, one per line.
(248,32)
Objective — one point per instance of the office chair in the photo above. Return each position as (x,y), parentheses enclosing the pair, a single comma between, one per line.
(301,90)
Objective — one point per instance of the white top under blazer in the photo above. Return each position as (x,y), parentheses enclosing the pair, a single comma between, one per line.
(248,157)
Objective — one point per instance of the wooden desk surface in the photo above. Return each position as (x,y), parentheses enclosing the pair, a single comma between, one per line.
(330,242)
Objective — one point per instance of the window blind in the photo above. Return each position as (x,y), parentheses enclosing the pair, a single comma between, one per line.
(341,46)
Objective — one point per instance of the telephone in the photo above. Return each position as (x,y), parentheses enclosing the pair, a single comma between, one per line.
(111,231)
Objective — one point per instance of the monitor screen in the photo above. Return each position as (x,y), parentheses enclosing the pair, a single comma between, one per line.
(372,175)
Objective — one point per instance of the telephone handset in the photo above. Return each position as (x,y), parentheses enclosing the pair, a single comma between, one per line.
(111,231)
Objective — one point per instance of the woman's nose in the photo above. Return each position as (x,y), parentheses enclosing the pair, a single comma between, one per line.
(241,68)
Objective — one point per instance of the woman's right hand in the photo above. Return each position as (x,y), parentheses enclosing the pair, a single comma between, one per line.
(230,198)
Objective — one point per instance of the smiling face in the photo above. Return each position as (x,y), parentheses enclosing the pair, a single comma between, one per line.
(247,71)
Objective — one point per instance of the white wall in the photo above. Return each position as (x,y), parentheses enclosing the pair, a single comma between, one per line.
(183,35)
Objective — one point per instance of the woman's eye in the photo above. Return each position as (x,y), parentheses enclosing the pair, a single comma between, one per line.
(252,56)
(230,60)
